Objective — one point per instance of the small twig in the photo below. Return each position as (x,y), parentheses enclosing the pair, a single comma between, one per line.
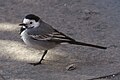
(106,76)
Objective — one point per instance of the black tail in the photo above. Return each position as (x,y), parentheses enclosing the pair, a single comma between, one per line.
(86,44)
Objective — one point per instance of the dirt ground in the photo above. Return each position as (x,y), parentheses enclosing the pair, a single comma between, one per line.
(91,21)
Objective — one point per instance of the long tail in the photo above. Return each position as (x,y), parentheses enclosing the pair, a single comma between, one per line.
(87,44)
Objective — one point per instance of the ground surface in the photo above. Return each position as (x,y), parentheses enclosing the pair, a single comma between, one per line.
(91,21)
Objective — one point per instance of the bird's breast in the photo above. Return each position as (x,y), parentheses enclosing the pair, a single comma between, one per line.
(37,44)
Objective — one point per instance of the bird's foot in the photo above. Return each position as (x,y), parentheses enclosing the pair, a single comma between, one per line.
(38,63)
(35,64)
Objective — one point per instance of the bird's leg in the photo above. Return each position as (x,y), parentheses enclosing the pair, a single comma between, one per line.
(45,52)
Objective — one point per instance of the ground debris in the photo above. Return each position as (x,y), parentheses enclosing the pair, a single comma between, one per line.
(71,67)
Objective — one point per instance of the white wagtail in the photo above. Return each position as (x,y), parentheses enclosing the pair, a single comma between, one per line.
(40,35)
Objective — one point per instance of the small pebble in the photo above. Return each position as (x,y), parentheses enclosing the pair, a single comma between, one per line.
(87,11)
(113,75)
(71,67)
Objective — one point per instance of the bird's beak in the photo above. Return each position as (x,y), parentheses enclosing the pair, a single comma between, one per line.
(22,24)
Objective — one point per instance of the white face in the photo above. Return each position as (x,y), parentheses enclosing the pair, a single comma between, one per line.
(31,23)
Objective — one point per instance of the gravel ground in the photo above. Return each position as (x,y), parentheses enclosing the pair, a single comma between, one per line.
(91,21)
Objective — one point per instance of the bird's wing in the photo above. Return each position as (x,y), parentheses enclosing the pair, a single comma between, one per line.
(53,36)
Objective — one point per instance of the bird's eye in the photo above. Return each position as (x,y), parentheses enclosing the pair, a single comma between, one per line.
(31,22)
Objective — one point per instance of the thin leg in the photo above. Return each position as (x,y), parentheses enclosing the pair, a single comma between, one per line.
(45,52)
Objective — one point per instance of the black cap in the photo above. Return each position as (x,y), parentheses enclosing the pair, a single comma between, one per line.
(32,17)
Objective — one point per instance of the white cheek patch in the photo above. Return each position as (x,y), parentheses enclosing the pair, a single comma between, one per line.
(36,24)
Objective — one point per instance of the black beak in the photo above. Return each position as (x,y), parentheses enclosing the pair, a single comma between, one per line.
(22,24)
(22,28)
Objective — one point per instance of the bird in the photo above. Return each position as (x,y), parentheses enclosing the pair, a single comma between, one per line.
(38,34)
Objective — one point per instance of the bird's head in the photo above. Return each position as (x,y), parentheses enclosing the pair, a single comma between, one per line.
(30,21)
